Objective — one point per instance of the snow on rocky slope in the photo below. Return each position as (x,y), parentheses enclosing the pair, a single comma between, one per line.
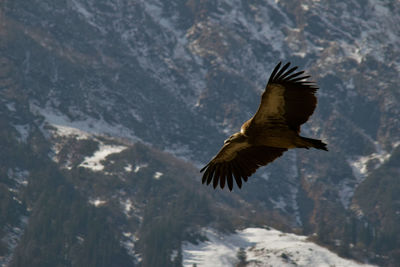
(263,247)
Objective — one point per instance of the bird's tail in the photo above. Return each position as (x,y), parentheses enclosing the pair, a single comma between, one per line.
(318,144)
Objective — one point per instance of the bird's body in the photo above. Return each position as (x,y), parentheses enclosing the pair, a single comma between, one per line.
(286,103)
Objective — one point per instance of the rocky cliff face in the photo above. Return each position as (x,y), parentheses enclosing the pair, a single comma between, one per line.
(95,93)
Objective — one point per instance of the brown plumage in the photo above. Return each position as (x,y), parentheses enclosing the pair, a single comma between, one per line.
(287,102)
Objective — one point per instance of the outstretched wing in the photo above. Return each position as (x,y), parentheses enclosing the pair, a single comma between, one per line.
(287,97)
(238,161)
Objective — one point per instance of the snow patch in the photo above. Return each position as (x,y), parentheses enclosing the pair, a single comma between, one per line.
(263,247)
(66,131)
(305,7)
(130,209)
(82,10)
(300,54)
(94,162)
(61,127)
(89,17)
(361,166)
(128,168)
(157,175)
(83,127)
(353,51)
(19,176)
(136,115)
(128,242)
(127,207)
(280,204)
(23,131)
(97,202)
(174,255)
(140,166)
(11,106)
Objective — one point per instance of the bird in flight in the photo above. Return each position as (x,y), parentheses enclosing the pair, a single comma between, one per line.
(286,103)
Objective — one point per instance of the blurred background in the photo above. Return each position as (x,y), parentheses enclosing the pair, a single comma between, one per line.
(109,108)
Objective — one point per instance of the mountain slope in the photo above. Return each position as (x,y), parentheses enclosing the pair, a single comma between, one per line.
(84,81)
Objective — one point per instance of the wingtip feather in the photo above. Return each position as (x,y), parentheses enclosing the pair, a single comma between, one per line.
(271,78)
(279,74)
(202,169)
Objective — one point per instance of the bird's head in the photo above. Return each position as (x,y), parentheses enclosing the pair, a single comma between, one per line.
(236,137)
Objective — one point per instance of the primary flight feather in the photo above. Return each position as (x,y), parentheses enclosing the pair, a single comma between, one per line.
(286,103)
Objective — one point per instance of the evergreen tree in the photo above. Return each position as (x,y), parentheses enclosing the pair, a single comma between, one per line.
(242,257)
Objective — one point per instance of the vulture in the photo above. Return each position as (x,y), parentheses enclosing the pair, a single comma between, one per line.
(286,103)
